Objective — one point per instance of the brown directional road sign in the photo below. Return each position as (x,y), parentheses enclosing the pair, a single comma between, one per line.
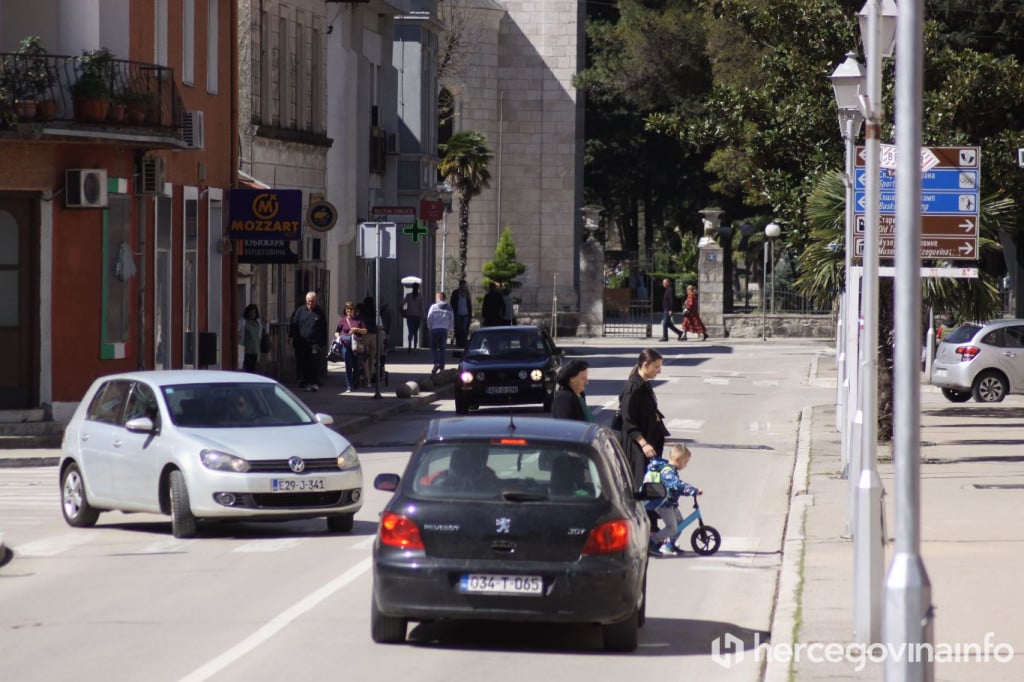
(945,248)
(936,225)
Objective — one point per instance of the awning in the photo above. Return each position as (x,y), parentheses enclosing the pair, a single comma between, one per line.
(246,180)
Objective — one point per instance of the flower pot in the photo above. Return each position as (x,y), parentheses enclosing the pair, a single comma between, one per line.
(25,109)
(134,115)
(116,113)
(46,110)
(91,109)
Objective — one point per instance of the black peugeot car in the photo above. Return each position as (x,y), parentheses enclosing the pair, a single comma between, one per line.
(506,366)
(513,519)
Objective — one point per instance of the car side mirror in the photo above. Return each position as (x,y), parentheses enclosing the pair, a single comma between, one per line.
(324,419)
(387,482)
(140,425)
(652,491)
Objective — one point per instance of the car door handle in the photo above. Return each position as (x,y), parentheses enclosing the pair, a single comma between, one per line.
(85,436)
(118,443)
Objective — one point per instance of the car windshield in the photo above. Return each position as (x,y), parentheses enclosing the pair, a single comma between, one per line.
(233,405)
(506,345)
(505,470)
(962,334)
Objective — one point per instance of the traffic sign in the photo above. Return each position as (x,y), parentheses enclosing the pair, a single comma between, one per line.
(946,248)
(950,196)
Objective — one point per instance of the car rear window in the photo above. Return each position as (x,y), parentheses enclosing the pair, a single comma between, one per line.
(962,334)
(503,470)
(233,405)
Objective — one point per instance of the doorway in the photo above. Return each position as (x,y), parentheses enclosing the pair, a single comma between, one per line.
(19,304)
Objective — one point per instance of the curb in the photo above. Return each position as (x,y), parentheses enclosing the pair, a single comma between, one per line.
(789,593)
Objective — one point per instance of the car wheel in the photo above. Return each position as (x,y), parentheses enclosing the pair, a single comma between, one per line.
(73,501)
(340,524)
(461,406)
(989,387)
(385,629)
(705,541)
(183,524)
(622,636)
(955,396)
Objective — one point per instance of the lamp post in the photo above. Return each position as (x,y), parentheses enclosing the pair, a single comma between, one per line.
(746,230)
(878,27)
(445,193)
(848,84)
(771,233)
(908,607)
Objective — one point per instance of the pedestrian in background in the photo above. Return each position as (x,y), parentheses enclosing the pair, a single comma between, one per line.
(462,307)
(251,329)
(668,304)
(691,317)
(440,320)
(349,331)
(308,330)
(570,399)
(413,310)
(493,308)
(371,339)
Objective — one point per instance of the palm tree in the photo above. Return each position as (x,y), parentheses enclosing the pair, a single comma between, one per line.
(463,164)
(823,278)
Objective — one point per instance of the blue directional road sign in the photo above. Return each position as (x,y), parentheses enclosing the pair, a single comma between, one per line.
(937,180)
(942,203)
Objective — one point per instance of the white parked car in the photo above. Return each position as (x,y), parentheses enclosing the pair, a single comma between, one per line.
(205,445)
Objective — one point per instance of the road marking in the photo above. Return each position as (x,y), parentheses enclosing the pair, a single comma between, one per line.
(720,381)
(48,547)
(759,426)
(278,623)
(166,546)
(765,382)
(685,424)
(365,543)
(276,545)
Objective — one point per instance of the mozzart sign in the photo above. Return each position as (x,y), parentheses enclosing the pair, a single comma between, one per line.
(265,214)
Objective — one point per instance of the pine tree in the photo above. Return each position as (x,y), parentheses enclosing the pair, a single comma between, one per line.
(504,268)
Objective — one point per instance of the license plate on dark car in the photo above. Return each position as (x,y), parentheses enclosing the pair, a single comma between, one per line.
(502,390)
(522,585)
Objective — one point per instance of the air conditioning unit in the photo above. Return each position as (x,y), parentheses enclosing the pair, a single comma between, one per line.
(391,143)
(192,133)
(85,188)
(151,175)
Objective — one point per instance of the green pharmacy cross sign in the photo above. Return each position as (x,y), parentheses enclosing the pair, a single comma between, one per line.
(415,231)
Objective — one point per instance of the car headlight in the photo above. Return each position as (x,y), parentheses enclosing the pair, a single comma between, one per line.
(466,377)
(348,459)
(536,375)
(222,461)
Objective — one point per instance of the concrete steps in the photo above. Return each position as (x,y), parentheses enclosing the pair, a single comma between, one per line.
(28,429)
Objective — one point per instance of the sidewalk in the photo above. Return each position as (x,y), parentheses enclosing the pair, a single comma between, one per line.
(972,544)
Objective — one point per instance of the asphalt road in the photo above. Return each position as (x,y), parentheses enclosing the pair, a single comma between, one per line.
(127,601)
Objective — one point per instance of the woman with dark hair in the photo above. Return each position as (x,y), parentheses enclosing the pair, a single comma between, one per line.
(643,428)
(250,332)
(570,401)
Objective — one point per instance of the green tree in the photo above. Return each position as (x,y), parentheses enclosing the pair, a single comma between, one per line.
(504,269)
(464,166)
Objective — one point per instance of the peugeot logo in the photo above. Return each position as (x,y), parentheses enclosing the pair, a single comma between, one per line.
(296,464)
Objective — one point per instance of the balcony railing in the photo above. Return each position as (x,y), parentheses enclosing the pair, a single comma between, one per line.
(45,89)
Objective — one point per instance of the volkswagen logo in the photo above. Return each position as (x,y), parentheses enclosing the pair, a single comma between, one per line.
(296,464)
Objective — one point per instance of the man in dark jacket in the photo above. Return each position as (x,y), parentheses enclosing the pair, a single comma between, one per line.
(493,308)
(462,306)
(668,303)
(309,337)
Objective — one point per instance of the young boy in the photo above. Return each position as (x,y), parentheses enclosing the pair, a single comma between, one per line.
(667,473)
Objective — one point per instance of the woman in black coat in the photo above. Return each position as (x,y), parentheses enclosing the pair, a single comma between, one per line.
(643,431)
(570,401)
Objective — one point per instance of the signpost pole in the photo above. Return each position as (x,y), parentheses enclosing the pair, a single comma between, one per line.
(376,312)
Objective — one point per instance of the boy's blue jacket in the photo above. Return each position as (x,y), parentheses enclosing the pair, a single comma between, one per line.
(659,470)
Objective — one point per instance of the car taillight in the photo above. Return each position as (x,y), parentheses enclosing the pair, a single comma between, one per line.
(398,531)
(967,353)
(608,538)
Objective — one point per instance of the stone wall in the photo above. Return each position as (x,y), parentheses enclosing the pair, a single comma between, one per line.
(750,326)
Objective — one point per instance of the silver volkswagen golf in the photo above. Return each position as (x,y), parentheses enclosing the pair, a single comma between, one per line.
(983,360)
(205,445)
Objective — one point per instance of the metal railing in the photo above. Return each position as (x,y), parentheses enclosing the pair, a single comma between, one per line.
(144,91)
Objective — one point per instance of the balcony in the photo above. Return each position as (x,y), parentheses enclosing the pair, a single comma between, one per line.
(92,97)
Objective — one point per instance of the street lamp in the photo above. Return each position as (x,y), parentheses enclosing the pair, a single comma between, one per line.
(746,230)
(445,192)
(878,26)
(848,84)
(771,233)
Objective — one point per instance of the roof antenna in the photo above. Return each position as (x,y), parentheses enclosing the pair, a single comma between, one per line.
(511,423)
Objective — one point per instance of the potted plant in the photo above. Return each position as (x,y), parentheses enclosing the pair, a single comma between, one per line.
(137,101)
(36,76)
(91,91)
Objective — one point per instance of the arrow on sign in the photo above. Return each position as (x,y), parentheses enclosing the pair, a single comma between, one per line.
(966,249)
(967,225)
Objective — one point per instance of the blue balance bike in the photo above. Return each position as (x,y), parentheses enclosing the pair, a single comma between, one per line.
(705,540)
